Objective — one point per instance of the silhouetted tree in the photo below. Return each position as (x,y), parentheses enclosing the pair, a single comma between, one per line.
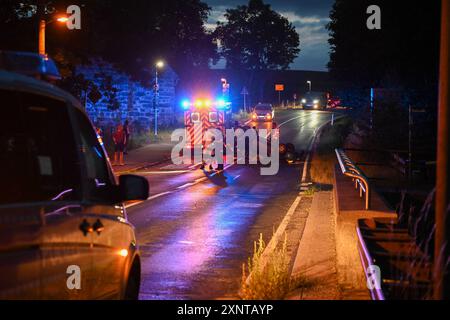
(255,38)
(258,38)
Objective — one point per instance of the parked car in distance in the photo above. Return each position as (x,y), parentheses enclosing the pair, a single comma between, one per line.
(314,100)
(263,112)
(64,232)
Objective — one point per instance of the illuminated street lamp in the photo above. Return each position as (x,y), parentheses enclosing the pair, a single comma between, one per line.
(159,65)
(42,26)
(225,88)
(309,85)
(62,19)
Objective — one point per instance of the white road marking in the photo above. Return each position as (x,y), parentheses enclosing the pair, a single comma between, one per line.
(159,195)
(185,242)
(292,119)
(305,165)
(184,186)
(149,198)
(194,166)
(164,172)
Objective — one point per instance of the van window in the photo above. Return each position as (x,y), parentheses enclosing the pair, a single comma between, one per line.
(38,158)
(98,175)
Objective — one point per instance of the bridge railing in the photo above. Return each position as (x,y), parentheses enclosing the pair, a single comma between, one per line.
(349,169)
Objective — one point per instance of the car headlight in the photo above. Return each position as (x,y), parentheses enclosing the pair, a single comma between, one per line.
(316,101)
(303,100)
(268,116)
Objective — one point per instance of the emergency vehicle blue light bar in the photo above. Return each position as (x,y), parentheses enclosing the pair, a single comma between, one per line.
(202,103)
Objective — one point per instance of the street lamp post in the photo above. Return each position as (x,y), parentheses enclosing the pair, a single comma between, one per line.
(42,26)
(159,64)
(309,85)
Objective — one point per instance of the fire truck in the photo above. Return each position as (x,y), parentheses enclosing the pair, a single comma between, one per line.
(201,115)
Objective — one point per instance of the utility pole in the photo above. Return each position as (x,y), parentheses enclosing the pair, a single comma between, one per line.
(372,98)
(244,93)
(441,280)
(155,101)
(159,64)
(410,125)
(42,23)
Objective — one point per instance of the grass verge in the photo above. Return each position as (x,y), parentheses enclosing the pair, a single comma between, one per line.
(149,137)
(270,281)
(323,158)
(138,140)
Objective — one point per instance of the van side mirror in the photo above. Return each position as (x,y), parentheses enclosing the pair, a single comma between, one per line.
(133,187)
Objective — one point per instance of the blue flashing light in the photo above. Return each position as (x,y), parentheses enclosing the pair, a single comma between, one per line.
(221,103)
(185,104)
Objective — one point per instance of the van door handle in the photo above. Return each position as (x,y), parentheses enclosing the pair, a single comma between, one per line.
(85,227)
(98,226)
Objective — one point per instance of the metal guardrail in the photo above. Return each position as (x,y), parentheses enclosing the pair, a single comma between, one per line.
(349,169)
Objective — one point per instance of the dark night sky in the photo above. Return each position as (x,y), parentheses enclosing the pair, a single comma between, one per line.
(308,16)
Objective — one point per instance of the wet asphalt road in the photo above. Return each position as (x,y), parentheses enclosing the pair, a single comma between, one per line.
(198,229)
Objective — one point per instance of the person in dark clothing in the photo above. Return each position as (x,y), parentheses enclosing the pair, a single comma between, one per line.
(127,131)
(120,140)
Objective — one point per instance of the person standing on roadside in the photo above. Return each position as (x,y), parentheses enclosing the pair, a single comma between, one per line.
(126,129)
(120,140)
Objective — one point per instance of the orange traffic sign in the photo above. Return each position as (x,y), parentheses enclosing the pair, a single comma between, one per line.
(279,87)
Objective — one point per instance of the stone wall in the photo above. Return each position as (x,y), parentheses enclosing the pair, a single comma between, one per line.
(123,98)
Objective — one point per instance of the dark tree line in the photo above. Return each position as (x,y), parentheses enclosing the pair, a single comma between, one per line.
(403,57)
(131,34)
(134,34)
(405,50)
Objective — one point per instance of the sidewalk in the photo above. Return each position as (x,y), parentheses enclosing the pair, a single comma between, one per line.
(143,157)
(314,269)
